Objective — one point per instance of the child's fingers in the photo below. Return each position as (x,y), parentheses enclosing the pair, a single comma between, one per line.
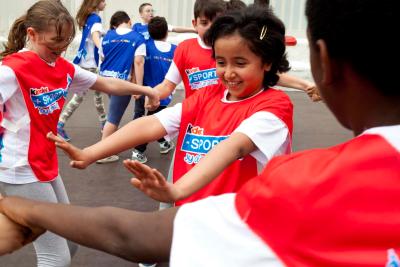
(159,177)
(136,183)
(54,138)
(130,166)
(77,164)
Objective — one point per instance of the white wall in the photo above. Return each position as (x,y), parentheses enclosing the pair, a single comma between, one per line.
(177,12)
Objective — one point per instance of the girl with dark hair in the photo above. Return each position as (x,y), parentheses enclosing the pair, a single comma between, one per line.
(241,114)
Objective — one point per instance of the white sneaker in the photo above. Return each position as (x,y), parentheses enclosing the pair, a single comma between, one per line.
(139,156)
(166,146)
(109,159)
(147,264)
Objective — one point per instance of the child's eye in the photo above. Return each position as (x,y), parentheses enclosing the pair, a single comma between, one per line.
(241,63)
(220,62)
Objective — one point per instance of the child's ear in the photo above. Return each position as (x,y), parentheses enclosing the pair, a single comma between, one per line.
(267,66)
(31,34)
(327,74)
(194,23)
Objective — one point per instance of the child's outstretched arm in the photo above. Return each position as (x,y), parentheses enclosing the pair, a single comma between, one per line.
(290,81)
(152,183)
(116,86)
(182,29)
(136,132)
(163,90)
(135,236)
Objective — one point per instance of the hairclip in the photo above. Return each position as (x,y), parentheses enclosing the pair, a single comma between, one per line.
(263,32)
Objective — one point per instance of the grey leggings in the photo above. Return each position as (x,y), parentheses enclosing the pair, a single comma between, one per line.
(76,100)
(51,250)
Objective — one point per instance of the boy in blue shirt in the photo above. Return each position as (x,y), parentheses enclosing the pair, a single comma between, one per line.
(159,55)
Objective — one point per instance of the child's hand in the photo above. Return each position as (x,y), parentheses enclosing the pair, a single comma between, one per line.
(313,93)
(152,103)
(14,231)
(151,182)
(78,157)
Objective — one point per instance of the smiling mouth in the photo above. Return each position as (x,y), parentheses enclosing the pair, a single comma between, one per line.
(232,84)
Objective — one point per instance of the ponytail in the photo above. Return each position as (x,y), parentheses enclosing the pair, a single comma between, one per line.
(16,37)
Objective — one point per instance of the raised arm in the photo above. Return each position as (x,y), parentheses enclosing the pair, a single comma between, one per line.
(135,236)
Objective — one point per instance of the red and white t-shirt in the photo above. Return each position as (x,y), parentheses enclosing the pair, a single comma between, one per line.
(324,207)
(31,102)
(207,119)
(194,65)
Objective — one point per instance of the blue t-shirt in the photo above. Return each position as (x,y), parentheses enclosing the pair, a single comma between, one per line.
(90,21)
(119,51)
(156,66)
(143,29)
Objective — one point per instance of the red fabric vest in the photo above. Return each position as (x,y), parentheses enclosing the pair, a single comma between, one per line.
(44,89)
(206,121)
(196,66)
(329,207)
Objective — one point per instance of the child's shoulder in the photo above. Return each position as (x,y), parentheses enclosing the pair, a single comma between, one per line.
(191,42)
(93,17)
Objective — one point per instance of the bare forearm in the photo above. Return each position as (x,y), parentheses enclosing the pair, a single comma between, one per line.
(214,163)
(136,132)
(96,39)
(139,71)
(290,81)
(135,236)
(180,29)
(165,88)
(116,86)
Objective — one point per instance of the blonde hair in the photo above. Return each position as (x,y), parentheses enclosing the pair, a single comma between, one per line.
(39,16)
(87,7)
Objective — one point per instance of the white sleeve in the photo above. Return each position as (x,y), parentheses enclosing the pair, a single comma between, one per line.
(170,27)
(170,118)
(83,80)
(173,74)
(141,50)
(97,27)
(8,83)
(268,133)
(210,232)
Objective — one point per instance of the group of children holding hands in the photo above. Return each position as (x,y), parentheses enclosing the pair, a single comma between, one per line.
(325,207)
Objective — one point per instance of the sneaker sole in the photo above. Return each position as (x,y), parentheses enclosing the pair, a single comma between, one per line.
(143,162)
(106,160)
(166,151)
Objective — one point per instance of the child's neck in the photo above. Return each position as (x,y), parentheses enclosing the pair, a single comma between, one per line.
(124,25)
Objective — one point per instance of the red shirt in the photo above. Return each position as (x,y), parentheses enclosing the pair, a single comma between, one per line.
(196,66)
(207,120)
(329,207)
(44,89)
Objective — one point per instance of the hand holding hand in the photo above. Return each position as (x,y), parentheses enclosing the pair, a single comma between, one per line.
(313,93)
(152,103)
(14,231)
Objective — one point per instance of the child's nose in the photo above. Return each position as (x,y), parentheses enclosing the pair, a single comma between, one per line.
(229,72)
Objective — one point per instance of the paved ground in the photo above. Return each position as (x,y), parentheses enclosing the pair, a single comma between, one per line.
(109,184)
